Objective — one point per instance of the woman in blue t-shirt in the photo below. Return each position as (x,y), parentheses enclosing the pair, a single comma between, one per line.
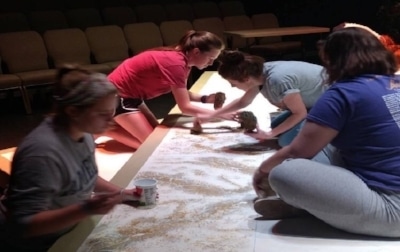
(359,115)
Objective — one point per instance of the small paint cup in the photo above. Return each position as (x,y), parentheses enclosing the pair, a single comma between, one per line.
(148,195)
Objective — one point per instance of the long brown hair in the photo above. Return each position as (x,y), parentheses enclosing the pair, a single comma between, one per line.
(203,40)
(351,52)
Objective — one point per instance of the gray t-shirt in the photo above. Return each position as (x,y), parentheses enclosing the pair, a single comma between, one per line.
(49,171)
(287,77)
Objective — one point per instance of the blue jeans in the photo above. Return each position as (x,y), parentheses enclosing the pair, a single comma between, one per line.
(325,156)
(286,137)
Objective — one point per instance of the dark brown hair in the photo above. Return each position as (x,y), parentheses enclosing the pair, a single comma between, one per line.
(203,40)
(238,66)
(351,52)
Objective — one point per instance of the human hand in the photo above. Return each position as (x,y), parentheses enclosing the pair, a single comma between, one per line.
(260,134)
(101,203)
(258,179)
(229,117)
(131,194)
(132,197)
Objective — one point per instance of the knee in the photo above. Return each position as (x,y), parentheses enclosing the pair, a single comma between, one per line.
(277,177)
(284,176)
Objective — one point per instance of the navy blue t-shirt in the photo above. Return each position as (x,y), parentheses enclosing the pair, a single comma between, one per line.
(366,112)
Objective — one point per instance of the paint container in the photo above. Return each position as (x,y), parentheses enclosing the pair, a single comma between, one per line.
(148,192)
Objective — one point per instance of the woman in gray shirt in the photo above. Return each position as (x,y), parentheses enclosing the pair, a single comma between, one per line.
(54,171)
(292,86)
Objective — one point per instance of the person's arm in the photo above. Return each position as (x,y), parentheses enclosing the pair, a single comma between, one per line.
(209,98)
(294,103)
(197,97)
(103,185)
(311,140)
(233,106)
(182,99)
(55,220)
(51,221)
(246,99)
(36,181)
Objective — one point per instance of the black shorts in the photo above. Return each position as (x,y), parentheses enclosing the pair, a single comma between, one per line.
(126,105)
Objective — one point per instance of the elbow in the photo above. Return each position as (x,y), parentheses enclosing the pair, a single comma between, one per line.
(298,152)
(243,103)
(299,115)
(185,110)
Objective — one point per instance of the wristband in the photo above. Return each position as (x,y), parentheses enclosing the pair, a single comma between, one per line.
(203,99)
(121,192)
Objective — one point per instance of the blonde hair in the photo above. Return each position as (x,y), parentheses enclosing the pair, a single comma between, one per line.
(78,87)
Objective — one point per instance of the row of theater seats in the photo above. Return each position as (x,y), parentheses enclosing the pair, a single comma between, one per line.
(116,15)
(29,5)
(30,58)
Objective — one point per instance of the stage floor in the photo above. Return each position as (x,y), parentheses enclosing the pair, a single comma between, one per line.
(205,195)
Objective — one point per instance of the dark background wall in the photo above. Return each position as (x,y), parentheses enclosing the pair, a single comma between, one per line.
(318,12)
(290,12)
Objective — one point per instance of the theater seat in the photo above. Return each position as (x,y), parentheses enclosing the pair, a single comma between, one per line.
(70,46)
(24,55)
(107,44)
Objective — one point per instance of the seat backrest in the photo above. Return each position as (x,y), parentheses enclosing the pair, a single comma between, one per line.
(118,15)
(41,5)
(173,31)
(42,21)
(205,9)
(266,20)
(109,3)
(231,8)
(107,43)
(13,22)
(241,22)
(15,6)
(142,36)
(150,13)
(67,46)
(179,11)
(211,24)
(23,51)
(83,18)
(79,4)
